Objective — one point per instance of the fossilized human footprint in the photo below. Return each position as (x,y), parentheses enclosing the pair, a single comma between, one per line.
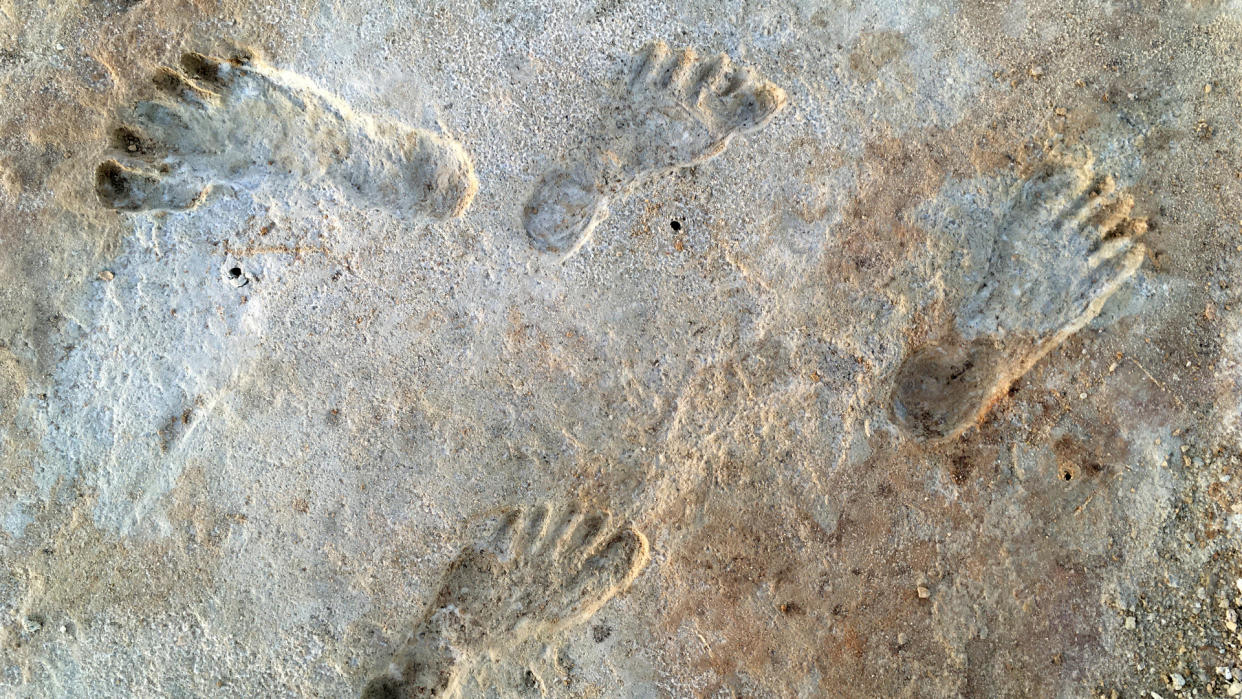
(239,122)
(541,571)
(1066,243)
(681,111)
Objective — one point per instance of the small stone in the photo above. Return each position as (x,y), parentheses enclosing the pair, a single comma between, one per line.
(107,275)
(924,593)
(1234,689)
(1177,681)
(1131,622)
(901,639)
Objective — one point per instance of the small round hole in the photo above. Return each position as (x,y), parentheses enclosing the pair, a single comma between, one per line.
(675,225)
(1066,475)
(235,272)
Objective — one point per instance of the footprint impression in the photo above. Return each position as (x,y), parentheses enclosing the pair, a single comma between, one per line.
(238,122)
(1065,245)
(541,571)
(682,110)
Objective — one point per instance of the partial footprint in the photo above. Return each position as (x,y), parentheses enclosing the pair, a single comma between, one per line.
(238,122)
(682,110)
(1064,246)
(539,572)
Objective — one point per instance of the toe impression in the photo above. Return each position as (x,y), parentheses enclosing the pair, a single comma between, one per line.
(603,575)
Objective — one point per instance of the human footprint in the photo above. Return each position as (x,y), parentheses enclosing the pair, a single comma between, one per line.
(1065,245)
(540,572)
(682,110)
(240,122)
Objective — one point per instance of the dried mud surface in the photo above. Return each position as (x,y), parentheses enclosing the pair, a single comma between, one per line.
(466,348)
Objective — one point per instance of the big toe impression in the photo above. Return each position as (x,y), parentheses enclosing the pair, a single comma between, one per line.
(603,575)
(757,106)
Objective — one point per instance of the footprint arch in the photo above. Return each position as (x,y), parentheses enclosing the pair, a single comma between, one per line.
(681,110)
(537,571)
(239,122)
(1065,244)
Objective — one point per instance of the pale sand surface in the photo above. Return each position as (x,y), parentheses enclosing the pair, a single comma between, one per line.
(907,364)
